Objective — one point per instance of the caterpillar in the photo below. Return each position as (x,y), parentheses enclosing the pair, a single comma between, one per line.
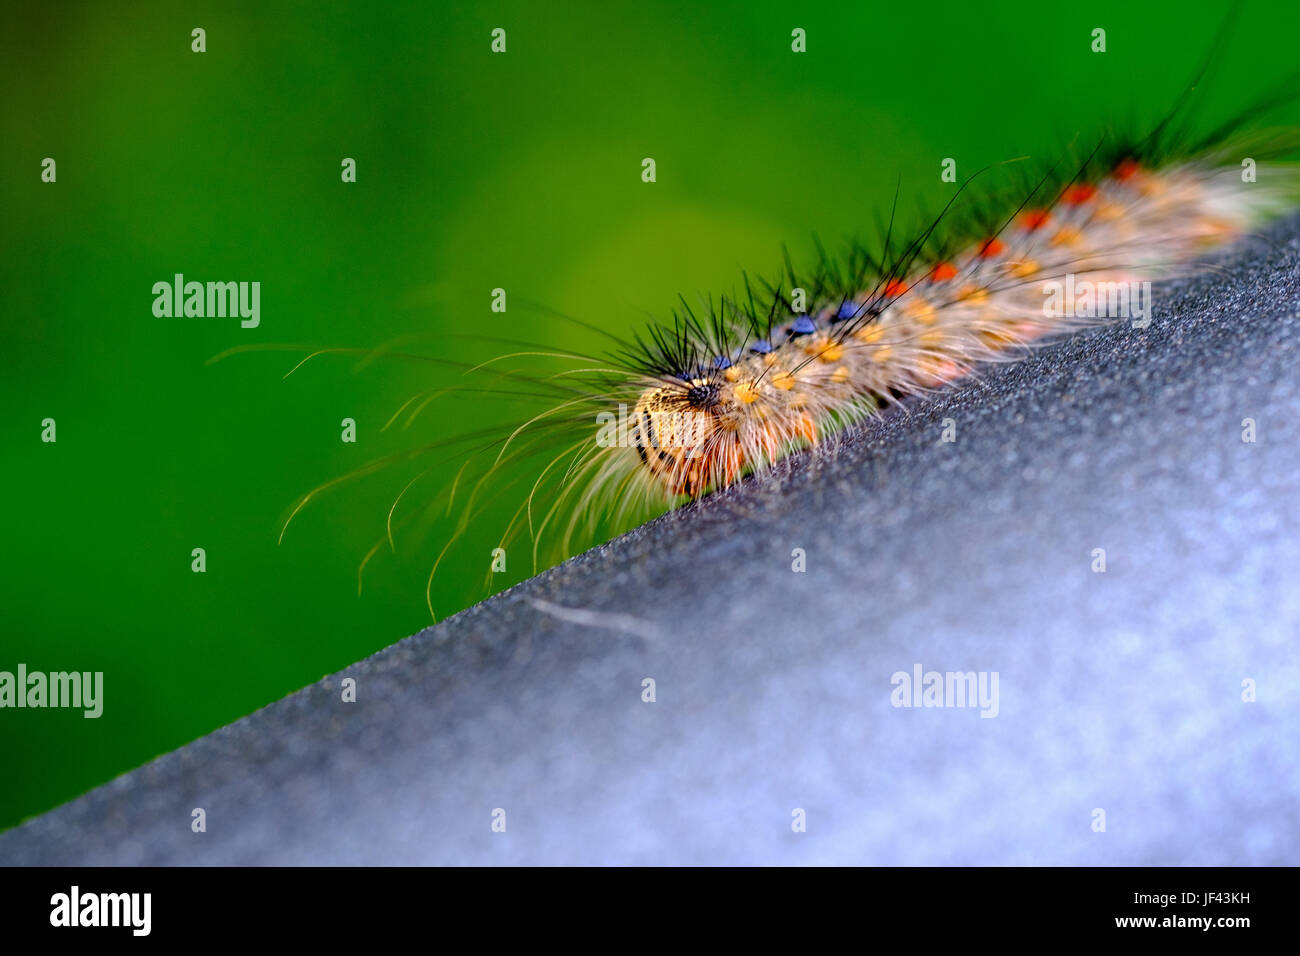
(731,386)
(733,392)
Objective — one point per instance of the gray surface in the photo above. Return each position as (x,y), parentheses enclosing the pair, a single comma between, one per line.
(1119,690)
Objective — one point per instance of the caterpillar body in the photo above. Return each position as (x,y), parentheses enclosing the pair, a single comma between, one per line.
(733,388)
(740,396)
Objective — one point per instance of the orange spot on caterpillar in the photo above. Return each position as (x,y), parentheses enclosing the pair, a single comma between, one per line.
(822,346)
(920,310)
(950,370)
(1151,186)
(783,380)
(747,392)
(731,374)
(1218,228)
(870,333)
(840,375)
(1079,194)
(1109,212)
(943,271)
(973,294)
(833,352)
(1024,269)
(808,428)
(1033,219)
(990,247)
(1067,236)
(895,287)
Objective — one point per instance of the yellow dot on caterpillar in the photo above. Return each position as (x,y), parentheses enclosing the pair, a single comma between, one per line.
(747,392)
(840,375)
(996,339)
(1151,186)
(920,310)
(731,374)
(973,295)
(870,333)
(833,352)
(783,380)
(1067,236)
(1024,268)
(883,353)
(769,359)
(1218,228)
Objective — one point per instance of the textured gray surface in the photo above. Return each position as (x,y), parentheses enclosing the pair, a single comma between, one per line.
(1119,691)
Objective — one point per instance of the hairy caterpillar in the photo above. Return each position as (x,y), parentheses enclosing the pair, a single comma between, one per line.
(733,385)
(731,394)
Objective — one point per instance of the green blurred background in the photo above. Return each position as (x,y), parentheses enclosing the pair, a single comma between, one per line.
(474,171)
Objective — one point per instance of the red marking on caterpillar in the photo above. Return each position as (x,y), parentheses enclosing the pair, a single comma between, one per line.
(1033,219)
(1126,170)
(1079,194)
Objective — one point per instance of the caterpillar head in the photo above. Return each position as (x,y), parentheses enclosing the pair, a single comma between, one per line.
(677,430)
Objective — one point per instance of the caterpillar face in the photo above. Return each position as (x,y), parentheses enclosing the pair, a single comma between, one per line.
(675,430)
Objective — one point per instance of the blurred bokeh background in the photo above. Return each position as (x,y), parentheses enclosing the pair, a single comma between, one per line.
(474,171)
